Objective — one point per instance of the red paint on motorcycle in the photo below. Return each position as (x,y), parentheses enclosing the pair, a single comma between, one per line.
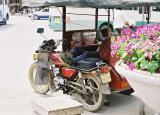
(105,69)
(57,59)
(69,73)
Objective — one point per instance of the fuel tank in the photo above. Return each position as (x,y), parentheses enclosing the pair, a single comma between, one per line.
(68,72)
(57,59)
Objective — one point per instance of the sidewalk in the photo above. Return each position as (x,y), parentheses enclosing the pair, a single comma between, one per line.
(120,105)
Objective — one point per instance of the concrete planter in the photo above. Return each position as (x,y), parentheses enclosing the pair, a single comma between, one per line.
(146,85)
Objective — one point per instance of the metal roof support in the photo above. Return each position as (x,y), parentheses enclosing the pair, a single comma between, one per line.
(63,24)
(148,14)
(96,21)
(108,31)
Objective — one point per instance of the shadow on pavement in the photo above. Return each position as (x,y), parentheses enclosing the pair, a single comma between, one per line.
(121,105)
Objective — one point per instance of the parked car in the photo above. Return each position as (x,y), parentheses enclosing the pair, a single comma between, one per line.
(42,14)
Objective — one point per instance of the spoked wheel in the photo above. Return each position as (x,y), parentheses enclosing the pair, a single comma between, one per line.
(32,77)
(92,99)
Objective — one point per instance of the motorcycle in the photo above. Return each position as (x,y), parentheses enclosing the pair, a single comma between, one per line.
(51,71)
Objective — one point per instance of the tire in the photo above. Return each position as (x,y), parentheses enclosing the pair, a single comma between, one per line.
(103,30)
(43,89)
(5,22)
(35,17)
(127,92)
(99,100)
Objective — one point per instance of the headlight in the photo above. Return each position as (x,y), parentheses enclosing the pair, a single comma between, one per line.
(35,56)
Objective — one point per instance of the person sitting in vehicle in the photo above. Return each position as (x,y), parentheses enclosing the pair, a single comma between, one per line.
(72,57)
(77,53)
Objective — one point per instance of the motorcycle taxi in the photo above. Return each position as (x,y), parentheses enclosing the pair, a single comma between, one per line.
(91,79)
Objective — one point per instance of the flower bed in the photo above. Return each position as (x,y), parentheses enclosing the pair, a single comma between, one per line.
(139,51)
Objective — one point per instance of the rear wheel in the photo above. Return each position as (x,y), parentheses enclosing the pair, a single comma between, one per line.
(32,77)
(93,99)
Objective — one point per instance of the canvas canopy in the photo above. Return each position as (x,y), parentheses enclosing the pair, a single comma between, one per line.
(90,3)
(33,3)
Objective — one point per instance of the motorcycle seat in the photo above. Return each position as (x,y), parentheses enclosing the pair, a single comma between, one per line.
(87,63)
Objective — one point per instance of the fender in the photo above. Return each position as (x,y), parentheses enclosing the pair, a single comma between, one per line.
(105,89)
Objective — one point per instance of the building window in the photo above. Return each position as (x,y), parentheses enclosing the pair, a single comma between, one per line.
(156,8)
(143,9)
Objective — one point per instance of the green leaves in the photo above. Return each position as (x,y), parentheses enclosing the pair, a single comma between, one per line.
(144,64)
(150,66)
(141,47)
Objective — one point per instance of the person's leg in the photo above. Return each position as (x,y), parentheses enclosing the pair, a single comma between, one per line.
(78,58)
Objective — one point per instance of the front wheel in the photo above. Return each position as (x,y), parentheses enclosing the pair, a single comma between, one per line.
(35,17)
(93,99)
(5,21)
(32,78)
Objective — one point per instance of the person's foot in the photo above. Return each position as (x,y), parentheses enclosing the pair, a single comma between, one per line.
(106,103)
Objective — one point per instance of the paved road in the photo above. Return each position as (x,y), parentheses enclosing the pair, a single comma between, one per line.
(18,40)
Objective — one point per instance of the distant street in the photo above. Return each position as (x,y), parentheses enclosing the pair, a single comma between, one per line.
(18,40)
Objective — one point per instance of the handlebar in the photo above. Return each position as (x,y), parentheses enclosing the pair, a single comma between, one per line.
(49,45)
(58,43)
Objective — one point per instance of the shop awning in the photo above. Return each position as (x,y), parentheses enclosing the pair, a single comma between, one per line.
(90,3)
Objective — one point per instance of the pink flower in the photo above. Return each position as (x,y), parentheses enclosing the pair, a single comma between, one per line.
(152,34)
(155,47)
(131,66)
(126,31)
(115,46)
(133,35)
(149,55)
(129,47)
(113,53)
(122,39)
(129,53)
